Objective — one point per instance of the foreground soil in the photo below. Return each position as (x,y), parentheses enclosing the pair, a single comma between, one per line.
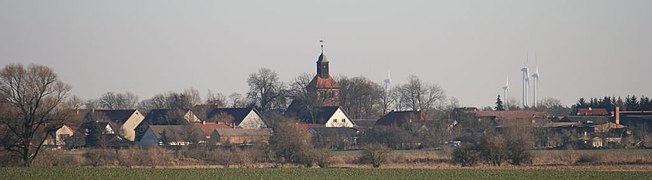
(315,173)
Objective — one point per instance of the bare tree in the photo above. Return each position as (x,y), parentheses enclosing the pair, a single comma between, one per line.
(553,106)
(361,97)
(307,99)
(418,95)
(386,99)
(237,101)
(265,89)
(185,100)
(215,98)
(34,99)
(112,100)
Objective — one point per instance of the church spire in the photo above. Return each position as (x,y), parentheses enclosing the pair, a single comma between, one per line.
(322,63)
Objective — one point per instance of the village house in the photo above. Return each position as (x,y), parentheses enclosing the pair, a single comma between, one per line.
(165,117)
(171,135)
(200,133)
(125,121)
(338,138)
(58,138)
(241,136)
(246,118)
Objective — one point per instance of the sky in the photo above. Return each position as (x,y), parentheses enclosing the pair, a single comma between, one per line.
(583,48)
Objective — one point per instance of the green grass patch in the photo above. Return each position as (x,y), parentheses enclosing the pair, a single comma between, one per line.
(333,173)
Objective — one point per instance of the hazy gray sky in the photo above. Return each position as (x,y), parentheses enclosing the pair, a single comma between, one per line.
(469,48)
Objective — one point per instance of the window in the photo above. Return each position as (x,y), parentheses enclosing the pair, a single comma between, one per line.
(343,120)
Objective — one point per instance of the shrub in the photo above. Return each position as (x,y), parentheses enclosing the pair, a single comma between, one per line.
(8,159)
(375,154)
(466,155)
(493,150)
(100,157)
(518,152)
(323,157)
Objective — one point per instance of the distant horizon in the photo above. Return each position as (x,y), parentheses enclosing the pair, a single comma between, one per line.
(583,49)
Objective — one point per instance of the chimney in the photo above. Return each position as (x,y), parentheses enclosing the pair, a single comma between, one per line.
(617,115)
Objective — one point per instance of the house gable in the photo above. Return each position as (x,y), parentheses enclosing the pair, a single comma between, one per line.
(339,119)
(149,138)
(252,121)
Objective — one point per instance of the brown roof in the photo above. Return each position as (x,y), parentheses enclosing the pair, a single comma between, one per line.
(245,132)
(208,128)
(400,117)
(592,112)
(113,116)
(324,83)
(510,114)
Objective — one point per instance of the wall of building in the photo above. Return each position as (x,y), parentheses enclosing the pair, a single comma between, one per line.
(252,121)
(339,119)
(128,129)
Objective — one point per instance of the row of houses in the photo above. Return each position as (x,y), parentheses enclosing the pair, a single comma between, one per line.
(117,127)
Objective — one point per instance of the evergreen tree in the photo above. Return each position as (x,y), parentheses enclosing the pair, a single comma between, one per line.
(499,104)
(581,103)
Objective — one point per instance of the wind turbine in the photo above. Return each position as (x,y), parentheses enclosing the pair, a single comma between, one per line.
(505,90)
(535,78)
(526,83)
(387,81)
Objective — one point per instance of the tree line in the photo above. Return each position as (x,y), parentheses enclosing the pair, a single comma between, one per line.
(630,103)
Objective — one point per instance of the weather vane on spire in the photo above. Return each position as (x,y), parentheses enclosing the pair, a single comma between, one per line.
(322,45)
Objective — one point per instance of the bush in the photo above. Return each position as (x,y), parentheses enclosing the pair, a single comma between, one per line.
(8,159)
(100,157)
(466,155)
(323,157)
(493,150)
(518,152)
(375,154)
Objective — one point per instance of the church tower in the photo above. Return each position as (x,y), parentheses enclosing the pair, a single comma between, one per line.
(322,64)
(327,89)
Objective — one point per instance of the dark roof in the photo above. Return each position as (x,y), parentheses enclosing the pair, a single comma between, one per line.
(365,123)
(587,119)
(90,125)
(322,114)
(165,116)
(400,117)
(238,114)
(322,58)
(511,114)
(333,131)
(114,116)
(176,132)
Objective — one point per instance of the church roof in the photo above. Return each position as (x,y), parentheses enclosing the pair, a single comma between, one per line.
(324,83)
(322,58)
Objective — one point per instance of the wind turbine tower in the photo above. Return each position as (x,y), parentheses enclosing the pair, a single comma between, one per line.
(535,78)
(526,83)
(505,90)
(387,81)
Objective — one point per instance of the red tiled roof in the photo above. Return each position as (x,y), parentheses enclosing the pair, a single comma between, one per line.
(324,83)
(592,112)
(510,114)
(209,127)
(308,126)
